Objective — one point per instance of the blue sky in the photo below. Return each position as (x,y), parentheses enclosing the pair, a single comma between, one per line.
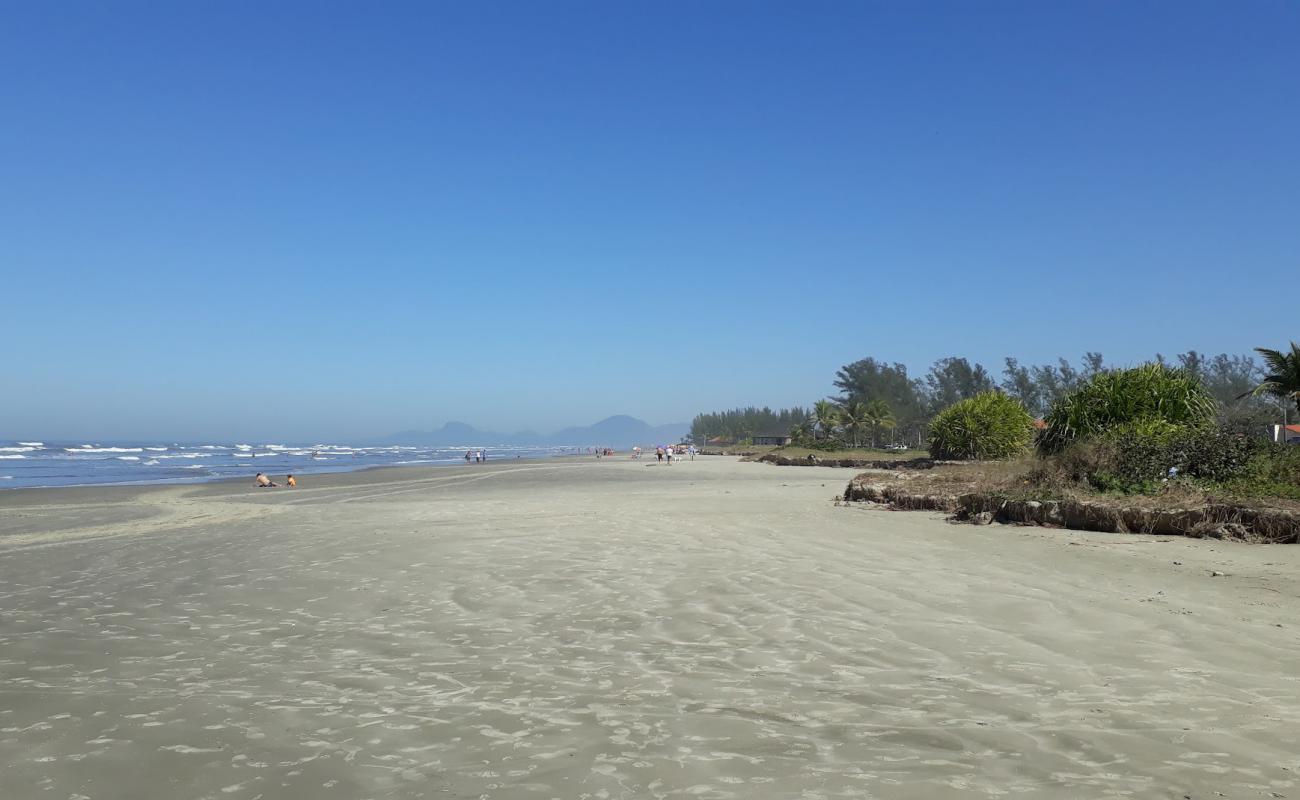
(302,221)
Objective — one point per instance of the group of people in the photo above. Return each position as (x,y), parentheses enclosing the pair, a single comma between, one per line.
(669,452)
(263,482)
(477,456)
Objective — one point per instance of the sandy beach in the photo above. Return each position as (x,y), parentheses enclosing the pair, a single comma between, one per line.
(618,629)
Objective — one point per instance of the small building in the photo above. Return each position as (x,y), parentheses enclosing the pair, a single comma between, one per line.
(776,438)
(1288,434)
(719,441)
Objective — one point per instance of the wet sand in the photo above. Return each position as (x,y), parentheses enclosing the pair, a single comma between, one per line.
(614,629)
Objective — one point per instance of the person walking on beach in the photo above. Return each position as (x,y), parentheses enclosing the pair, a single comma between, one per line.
(669,454)
(659,453)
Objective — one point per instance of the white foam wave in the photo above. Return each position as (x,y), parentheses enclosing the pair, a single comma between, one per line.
(32,444)
(17,449)
(9,456)
(6,477)
(127,458)
(188,455)
(156,449)
(153,462)
(85,448)
(242,455)
(193,466)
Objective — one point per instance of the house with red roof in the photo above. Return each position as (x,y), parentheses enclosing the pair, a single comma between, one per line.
(1286,433)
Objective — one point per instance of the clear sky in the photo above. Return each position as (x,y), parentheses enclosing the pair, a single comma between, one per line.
(307,220)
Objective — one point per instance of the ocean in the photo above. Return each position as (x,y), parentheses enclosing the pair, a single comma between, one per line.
(33,463)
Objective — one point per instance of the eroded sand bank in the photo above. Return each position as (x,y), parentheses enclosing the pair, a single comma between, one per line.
(610,629)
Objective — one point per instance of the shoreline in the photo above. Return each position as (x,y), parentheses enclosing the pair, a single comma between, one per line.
(227,479)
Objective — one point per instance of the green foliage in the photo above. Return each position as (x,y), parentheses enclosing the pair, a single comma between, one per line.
(954,379)
(873,416)
(741,423)
(878,417)
(853,416)
(1273,471)
(1283,378)
(988,425)
(1137,457)
(1040,388)
(1110,399)
(832,445)
(1037,387)
(827,416)
(802,431)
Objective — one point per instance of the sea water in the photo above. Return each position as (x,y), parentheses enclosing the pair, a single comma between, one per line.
(33,463)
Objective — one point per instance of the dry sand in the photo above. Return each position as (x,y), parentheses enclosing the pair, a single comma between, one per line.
(614,629)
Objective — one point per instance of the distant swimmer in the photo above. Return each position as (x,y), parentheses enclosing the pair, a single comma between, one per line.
(262,482)
(290,480)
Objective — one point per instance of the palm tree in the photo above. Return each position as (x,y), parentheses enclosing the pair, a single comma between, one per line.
(853,416)
(1283,378)
(802,431)
(877,416)
(827,415)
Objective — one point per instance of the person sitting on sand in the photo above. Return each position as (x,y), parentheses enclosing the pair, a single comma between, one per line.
(292,483)
(262,482)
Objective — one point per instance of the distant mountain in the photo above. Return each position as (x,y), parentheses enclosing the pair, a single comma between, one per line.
(616,431)
(621,431)
(459,433)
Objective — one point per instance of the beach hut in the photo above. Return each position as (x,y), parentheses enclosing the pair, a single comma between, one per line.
(772,437)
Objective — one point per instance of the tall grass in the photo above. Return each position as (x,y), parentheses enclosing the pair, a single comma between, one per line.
(1109,399)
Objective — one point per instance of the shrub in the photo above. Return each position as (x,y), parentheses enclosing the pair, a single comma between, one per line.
(1137,457)
(988,425)
(1111,399)
(1273,471)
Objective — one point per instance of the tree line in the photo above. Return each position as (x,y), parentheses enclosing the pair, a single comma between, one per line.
(879,399)
(745,423)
